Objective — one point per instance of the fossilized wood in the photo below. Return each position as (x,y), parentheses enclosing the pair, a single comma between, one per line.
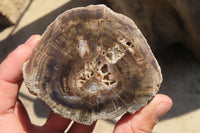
(92,63)
(165,22)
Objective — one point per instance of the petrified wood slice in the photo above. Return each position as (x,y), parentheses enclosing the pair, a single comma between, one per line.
(92,63)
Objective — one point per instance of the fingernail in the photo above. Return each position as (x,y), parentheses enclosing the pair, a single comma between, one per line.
(161,109)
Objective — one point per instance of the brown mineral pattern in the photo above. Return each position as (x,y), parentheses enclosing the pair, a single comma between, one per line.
(92,63)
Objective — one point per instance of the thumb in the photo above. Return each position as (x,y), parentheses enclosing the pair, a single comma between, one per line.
(145,119)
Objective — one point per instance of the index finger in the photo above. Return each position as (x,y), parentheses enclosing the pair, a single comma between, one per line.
(11,73)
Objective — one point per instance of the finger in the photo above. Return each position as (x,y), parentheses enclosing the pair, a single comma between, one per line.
(56,123)
(11,73)
(80,128)
(10,68)
(145,119)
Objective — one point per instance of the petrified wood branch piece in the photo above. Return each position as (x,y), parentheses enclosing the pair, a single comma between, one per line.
(92,63)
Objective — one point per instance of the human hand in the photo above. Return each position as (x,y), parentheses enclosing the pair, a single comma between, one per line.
(14,118)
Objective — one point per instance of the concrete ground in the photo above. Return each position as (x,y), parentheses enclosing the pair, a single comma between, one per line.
(181,72)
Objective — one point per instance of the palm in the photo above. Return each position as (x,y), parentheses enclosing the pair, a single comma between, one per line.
(10,122)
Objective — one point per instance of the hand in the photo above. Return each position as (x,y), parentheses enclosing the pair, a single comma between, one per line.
(14,118)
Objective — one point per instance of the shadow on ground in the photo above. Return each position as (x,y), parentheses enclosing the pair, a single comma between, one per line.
(181,79)
(180,70)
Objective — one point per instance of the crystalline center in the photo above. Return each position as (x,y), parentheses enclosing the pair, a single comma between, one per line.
(97,76)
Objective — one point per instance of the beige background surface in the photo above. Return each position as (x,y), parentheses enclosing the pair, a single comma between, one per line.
(181,71)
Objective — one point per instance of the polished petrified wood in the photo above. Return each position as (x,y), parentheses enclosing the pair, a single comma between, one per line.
(92,63)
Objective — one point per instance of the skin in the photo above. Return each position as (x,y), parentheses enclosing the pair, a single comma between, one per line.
(14,117)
